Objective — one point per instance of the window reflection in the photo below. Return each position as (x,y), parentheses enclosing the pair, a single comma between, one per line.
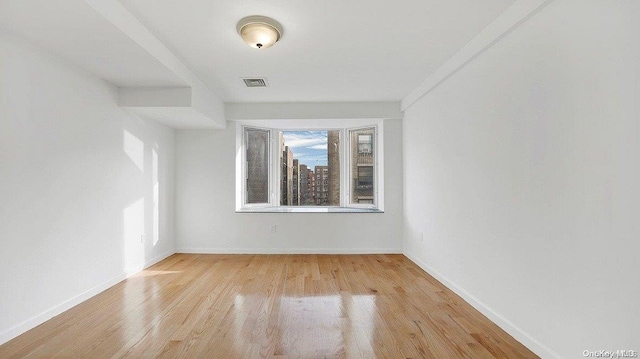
(326,323)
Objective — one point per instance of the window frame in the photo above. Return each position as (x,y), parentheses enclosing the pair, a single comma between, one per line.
(376,160)
(346,177)
(244,169)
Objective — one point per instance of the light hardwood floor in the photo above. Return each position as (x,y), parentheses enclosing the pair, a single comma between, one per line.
(281,306)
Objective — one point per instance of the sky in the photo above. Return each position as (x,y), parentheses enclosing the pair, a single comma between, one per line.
(309,147)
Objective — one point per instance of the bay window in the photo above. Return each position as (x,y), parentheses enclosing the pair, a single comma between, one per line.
(292,166)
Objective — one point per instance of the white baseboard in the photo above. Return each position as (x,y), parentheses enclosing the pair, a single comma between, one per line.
(289,250)
(148,263)
(72,302)
(55,310)
(527,340)
(159,258)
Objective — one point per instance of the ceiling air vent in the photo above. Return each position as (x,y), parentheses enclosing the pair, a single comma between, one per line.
(255,82)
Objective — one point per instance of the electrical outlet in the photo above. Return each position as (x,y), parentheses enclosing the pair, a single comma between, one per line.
(274,228)
(421,238)
(142,238)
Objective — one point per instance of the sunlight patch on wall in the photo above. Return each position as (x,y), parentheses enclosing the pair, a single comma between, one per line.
(134,148)
(133,224)
(156,197)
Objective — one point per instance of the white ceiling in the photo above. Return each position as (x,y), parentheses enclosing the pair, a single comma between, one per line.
(75,31)
(331,51)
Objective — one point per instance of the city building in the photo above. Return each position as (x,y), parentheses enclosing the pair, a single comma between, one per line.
(333,168)
(321,185)
(311,182)
(362,162)
(304,189)
(295,187)
(286,177)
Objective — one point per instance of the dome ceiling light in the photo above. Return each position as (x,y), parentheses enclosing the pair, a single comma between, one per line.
(259,32)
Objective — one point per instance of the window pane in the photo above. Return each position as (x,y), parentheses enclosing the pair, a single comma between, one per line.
(362,165)
(257,143)
(309,168)
(365,176)
(365,143)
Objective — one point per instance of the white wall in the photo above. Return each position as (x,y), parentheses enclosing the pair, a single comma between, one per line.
(205,206)
(527,188)
(76,187)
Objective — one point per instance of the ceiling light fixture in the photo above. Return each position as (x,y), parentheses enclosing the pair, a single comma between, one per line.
(259,32)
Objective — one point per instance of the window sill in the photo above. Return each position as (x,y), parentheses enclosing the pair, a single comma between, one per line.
(309,210)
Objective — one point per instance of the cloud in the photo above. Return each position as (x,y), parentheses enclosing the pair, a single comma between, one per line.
(305,139)
(309,147)
(319,147)
(306,143)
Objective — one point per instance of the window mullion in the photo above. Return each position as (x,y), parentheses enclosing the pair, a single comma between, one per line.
(363,173)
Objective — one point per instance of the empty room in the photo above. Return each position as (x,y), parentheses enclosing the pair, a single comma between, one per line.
(319,179)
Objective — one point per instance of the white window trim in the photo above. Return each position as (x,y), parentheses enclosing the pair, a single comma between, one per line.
(344,126)
(243,170)
(376,177)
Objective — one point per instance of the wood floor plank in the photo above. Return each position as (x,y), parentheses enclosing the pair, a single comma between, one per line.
(272,306)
